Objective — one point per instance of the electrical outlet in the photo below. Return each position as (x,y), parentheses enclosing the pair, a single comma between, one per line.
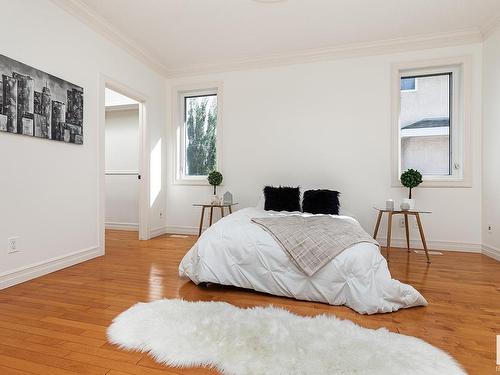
(490,228)
(12,245)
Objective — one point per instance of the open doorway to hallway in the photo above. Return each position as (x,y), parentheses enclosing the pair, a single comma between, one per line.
(122,162)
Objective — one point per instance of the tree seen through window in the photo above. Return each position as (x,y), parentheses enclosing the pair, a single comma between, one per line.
(201,128)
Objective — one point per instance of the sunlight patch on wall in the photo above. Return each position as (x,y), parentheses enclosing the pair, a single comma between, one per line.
(155,173)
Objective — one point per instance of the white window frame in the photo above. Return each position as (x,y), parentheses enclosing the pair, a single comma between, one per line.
(460,120)
(179,94)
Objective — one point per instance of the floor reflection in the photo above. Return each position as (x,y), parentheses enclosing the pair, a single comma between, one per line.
(155,283)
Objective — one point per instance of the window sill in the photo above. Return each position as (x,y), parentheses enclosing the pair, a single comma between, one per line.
(201,181)
(438,183)
(196,181)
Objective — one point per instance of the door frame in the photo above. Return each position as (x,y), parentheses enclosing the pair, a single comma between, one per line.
(144,220)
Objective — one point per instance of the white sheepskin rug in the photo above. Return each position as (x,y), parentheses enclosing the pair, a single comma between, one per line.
(270,341)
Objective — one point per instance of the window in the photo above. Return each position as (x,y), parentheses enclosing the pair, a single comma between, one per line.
(424,120)
(408,84)
(197,126)
(431,131)
(200,134)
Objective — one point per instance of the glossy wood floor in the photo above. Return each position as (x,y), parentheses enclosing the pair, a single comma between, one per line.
(56,324)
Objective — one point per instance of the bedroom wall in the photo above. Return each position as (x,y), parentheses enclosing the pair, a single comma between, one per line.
(328,125)
(49,190)
(491,149)
(122,155)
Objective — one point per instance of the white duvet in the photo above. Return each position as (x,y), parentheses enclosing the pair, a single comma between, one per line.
(235,251)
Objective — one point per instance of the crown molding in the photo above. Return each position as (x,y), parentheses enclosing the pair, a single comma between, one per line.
(338,52)
(490,26)
(81,11)
(100,25)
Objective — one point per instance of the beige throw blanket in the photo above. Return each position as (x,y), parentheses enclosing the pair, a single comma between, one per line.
(313,241)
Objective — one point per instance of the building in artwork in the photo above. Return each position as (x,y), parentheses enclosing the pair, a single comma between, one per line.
(74,117)
(58,119)
(25,102)
(43,112)
(3,118)
(9,87)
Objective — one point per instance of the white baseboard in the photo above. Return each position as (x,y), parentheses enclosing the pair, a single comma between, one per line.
(487,250)
(435,245)
(122,226)
(491,251)
(155,232)
(32,271)
(175,229)
(395,242)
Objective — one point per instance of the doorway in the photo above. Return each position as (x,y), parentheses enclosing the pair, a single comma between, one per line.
(121,154)
(123,168)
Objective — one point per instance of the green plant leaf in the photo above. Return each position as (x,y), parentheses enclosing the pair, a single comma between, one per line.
(411,178)
(215,178)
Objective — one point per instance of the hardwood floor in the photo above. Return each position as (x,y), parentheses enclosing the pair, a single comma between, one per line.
(56,324)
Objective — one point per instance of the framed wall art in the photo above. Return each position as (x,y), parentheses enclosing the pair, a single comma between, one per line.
(37,104)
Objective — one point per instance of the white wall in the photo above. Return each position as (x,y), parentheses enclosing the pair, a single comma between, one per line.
(328,125)
(122,156)
(491,142)
(49,190)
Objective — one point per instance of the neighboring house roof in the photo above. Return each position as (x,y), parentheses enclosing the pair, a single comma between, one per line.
(437,122)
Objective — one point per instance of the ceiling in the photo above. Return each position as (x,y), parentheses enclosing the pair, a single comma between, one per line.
(187,36)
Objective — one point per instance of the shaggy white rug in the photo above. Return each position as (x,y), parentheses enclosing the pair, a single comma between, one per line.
(270,341)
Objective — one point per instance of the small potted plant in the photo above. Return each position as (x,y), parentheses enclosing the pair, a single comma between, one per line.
(215,179)
(411,179)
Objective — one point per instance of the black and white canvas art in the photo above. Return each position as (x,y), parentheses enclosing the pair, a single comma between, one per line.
(38,104)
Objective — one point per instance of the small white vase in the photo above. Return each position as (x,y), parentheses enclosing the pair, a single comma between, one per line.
(215,199)
(389,205)
(411,203)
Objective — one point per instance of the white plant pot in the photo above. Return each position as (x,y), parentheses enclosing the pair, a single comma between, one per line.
(411,202)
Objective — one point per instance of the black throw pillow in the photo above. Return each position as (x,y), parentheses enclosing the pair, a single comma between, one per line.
(282,198)
(321,202)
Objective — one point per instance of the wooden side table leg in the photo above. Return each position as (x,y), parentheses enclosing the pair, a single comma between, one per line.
(422,236)
(201,221)
(211,214)
(377,225)
(389,229)
(230,209)
(407,233)
(222,212)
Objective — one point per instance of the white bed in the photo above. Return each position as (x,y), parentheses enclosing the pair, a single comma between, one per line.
(237,252)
